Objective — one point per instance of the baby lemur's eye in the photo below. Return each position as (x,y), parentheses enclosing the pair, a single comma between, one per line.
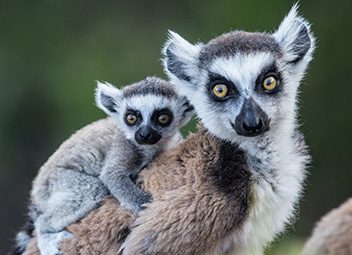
(270,83)
(220,90)
(164,119)
(131,119)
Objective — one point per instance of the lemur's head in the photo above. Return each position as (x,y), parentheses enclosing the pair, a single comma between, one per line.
(243,84)
(148,112)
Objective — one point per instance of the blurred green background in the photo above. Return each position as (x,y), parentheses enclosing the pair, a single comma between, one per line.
(51,52)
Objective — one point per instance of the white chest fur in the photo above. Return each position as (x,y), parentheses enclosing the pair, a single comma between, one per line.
(278,169)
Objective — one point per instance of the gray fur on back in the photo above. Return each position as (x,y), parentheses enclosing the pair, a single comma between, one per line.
(84,151)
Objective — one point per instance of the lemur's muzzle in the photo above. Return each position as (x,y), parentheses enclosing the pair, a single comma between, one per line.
(252,120)
(147,135)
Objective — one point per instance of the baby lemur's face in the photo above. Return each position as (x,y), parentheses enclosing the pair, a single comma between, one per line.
(148,112)
(148,119)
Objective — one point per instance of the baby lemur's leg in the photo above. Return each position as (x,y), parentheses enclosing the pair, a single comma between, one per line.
(72,198)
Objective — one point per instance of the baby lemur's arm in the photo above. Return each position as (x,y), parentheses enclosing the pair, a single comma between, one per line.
(120,165)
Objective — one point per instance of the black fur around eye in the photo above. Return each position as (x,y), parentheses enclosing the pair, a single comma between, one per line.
(162,117)
(220,88)
(269,81)
(132,117)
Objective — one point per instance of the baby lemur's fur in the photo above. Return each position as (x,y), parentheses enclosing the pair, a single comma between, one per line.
(105,157)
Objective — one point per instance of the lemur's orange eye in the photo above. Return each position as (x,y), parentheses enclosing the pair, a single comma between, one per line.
(269,83)
(131,119)
(220,90)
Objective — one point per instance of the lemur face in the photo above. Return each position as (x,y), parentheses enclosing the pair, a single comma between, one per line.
(149,122)
(148,112)
(242,84)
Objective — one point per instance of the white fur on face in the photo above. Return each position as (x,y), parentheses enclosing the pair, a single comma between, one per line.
(147,105)
(242,70)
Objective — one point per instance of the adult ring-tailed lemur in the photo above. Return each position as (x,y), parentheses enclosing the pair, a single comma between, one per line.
(244,88)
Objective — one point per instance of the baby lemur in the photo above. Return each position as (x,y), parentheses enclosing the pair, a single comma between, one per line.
(106,156)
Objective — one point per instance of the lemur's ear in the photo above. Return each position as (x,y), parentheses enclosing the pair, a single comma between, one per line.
(180,57)
(107,97)
(295,38)
(186,110)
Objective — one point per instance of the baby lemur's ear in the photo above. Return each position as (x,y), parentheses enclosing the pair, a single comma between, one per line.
(186,110)
(107,97)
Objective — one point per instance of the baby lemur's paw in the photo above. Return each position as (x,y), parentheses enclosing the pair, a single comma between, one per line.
(147,198)
(138,203)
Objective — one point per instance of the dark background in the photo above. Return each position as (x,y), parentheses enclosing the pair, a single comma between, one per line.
(51,52)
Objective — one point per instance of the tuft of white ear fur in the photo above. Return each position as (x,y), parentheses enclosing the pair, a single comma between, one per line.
(180,57)
(295,37)
(186,110)
(107,97)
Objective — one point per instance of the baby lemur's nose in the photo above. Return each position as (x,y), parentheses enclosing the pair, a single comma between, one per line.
(145,134)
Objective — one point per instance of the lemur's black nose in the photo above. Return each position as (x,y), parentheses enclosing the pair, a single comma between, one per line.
(253,127)
(147,135)
(252,120)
